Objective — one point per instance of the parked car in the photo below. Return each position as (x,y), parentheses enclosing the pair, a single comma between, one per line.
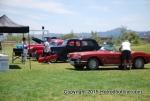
(73,45)
(36,50)
(107,55)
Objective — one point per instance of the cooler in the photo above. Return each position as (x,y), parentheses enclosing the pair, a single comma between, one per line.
(4,62)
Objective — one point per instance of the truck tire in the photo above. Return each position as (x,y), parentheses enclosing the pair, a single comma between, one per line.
(138,63)
(92,64)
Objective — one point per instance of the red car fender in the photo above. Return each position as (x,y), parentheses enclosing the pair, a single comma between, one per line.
(48,58)
(39,52)
(143,55)
(34,48)
(39,47)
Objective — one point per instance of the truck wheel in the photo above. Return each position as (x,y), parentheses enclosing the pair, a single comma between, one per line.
(93,64)
(79,67)
(138,63)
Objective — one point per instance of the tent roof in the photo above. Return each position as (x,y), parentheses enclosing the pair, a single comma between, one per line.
(8,26)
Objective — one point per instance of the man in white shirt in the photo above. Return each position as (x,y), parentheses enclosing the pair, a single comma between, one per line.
(47,49)
(126,54)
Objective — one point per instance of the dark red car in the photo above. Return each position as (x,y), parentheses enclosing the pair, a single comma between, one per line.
(105,56)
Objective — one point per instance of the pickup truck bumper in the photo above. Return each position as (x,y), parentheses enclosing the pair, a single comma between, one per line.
(76,62)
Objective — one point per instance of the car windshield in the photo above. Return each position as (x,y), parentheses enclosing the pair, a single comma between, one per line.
(108,47)
(53,44)
(64,43)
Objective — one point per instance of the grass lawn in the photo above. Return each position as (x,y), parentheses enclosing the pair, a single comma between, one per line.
(47,82)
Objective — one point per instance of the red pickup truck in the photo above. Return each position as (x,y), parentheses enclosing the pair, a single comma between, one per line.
(105,56)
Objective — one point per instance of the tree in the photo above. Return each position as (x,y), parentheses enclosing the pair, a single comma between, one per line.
(131,36)
(95,37)
(128,35)
(70,35)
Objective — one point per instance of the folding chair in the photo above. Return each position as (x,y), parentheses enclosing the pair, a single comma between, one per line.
(17,54)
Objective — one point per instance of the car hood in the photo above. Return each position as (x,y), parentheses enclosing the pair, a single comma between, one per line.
(87,53)
(37,40)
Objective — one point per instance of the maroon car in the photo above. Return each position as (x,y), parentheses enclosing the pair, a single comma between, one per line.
(105,56)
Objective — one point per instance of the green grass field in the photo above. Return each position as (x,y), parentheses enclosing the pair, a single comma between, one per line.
(47,82)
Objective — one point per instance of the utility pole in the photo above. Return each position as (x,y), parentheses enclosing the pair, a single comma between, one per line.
(42,32)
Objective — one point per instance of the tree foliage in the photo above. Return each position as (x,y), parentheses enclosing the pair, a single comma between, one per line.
(17,38)
(131,36)
(70,35)
(95,37)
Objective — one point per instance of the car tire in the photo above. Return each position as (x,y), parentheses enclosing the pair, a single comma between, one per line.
(138,63)
(92,64)
(79,67)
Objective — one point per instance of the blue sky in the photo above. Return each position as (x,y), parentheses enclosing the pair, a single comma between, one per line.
(63,16)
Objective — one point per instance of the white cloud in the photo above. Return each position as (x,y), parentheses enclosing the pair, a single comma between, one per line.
(48,6)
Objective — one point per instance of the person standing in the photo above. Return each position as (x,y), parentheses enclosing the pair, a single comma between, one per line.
(47,49)
(0,46)
(125,49)
(25,49)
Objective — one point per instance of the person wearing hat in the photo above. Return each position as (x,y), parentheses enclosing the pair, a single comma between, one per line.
(125,49)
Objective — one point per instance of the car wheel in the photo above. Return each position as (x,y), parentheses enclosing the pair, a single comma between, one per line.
(92,64)
(79,67)
(138,63)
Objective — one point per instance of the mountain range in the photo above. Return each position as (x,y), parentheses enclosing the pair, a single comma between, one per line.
(114,33)
(110,33)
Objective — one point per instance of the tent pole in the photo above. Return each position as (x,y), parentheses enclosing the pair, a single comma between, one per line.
(29,49)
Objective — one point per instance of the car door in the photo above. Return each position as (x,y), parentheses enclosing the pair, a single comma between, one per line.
(117,57)
(113,57)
